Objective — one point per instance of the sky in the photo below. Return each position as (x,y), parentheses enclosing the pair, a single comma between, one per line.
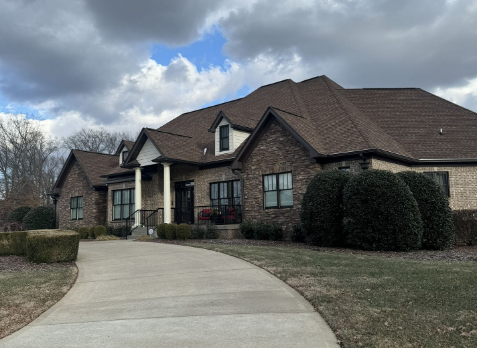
(127,64)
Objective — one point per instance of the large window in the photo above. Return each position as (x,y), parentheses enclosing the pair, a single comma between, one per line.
(224,138)
(124,156)
(278,190)
(123,204)
(76,208)
(225,193)
(442,178)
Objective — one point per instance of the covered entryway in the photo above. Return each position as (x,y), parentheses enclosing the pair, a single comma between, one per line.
(184,210)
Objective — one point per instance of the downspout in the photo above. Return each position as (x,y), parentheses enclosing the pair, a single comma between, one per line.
(55,200)
(240,176)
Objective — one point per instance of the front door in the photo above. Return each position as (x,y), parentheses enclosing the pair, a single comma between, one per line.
(184,211)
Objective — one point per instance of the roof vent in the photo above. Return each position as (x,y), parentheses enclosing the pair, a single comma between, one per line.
(205,150)
(441,131)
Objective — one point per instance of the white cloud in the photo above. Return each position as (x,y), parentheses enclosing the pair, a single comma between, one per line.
(465,95)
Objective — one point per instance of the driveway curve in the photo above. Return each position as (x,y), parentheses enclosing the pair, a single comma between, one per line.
(133,294)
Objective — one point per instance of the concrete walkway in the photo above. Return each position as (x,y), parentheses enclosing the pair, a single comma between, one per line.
(133,294)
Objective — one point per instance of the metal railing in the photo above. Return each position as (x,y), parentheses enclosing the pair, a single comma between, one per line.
(219,215)
(137,218)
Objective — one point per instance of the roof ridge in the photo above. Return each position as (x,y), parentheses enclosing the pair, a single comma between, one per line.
(296,98)
(208,107)
(346,112)
(273,83)
(170,133)
(288,112)
(380,88)
(93,152)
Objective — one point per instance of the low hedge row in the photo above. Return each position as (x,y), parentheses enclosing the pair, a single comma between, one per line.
(41,245)
(92,232)
(261,230)
(465,222)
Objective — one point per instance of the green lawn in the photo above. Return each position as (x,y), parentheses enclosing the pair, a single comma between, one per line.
(25,294)
(378,302)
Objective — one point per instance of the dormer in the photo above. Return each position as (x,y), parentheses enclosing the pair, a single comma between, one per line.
(227,135)
(123,150)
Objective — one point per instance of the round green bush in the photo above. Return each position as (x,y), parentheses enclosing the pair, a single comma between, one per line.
(276,231)
(298,234)
(83,232)
(39,218)
(161,231)
(183,231)
(381,212)
(197,232)
(18,214)
(99,230)
(171,231)
(437,221)
(247,229)
(211,232)
(91,232)
(322,208)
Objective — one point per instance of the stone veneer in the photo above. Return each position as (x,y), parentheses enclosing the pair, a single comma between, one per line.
(462,181)
(94,202)
(276,152)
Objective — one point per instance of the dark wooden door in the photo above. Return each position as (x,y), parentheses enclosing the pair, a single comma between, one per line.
(184,211)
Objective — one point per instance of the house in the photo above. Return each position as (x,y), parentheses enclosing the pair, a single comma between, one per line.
(252,158)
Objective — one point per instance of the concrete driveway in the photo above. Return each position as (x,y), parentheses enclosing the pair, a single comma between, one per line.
(133,294)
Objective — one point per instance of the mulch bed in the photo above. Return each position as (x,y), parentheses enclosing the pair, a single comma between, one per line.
(461,253)
(20,263)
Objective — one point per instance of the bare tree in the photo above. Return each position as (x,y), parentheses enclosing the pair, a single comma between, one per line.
(96,140)
(28,162)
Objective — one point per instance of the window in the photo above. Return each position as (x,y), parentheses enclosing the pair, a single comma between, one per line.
(224,138)
(225,193)
(76,208)
(125,155)
(123,204)
(278,190)
(344,169)
(442,178)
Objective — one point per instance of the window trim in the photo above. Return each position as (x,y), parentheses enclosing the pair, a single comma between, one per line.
(278,206)
(446,173)
(122,218)
(218,192)
(77,207)
(222,138)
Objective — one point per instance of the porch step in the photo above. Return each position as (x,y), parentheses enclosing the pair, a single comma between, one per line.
(138,231)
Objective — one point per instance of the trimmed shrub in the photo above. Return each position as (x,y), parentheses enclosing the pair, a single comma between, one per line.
(197,232)
(465,222)
(262,230)
(183,231)
(322,208)
(247,229)
(161,231)
(83,232)
(39,218)
(99,230)
(298,234)
(438,227)
(381,212)
(91,232)
(171,230)
(52,246)
(13,243)
(18,214)
(276,231)
(116,230)
(211,232)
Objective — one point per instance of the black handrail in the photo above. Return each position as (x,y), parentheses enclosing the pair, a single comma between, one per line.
(139,217)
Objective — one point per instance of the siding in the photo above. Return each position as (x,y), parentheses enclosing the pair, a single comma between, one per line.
(147,154)
(236,138)
(239,137)
(121,154)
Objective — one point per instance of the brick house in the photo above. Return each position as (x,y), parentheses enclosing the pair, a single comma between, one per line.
(252,158)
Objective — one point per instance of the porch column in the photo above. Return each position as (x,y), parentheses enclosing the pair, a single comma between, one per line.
(138,194)
(167,192)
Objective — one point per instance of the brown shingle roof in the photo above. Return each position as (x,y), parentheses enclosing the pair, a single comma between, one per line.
(96,164)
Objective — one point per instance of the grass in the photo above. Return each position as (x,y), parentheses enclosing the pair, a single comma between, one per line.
(25,294)
(378,302)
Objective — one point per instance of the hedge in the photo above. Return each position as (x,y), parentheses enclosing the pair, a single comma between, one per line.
(197,232)
(438,227)
(91,232)
(381,212)
(183,231)
(161,231)
(99,230)
(211,232)
(171,231)
(52,246)
(321,211)
(465,222)
(18,214)
(84,232)
(13,243)
(261,230)
(39,218)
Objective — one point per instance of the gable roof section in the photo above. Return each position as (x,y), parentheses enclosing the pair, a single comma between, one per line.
(124,143)
(93,165)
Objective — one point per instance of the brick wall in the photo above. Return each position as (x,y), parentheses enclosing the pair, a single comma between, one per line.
(111,188)
(462,181)
(94,202)
(354,166)
(276,152)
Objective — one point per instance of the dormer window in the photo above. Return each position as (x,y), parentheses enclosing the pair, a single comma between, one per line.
(224,138)
(124,156)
